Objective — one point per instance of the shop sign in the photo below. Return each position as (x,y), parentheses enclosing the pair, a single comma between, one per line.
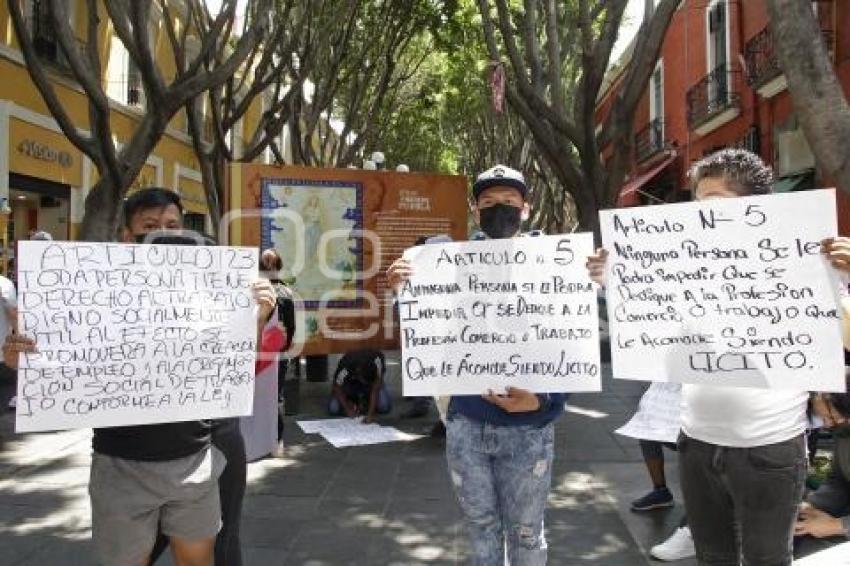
(44,152)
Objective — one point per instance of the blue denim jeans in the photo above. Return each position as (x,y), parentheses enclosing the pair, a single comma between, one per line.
(501,475)
(382,407)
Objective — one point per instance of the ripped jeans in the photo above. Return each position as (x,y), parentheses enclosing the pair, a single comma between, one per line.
(501,475)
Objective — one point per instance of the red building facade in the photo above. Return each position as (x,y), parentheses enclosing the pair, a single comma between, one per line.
(717,84)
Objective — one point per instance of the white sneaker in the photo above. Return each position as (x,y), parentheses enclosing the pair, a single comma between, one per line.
(277,451)
(680,545)
(13,402)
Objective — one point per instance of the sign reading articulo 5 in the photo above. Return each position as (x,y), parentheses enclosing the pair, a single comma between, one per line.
(38,150)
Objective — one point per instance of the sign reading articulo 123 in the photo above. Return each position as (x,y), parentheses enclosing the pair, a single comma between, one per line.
(38,150)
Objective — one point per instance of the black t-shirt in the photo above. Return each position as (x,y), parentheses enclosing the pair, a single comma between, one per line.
(164,441)
(285,310)
(357,371)
(153,443)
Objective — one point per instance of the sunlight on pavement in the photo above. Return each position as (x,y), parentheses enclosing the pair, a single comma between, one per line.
(586,412)
(576,490)
(612,545)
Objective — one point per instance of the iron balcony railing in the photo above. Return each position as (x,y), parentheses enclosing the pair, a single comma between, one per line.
(46,44)
(761,57)
(128,90)
(650,140)
(713,94)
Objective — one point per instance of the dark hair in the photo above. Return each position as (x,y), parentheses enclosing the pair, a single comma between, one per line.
(146,199)
(746,170)
(277,263)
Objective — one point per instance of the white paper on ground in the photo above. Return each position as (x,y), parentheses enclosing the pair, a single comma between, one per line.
(342,433)
(658,416)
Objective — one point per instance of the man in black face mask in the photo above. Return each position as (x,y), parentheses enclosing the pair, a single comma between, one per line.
(500,205)
(499,447)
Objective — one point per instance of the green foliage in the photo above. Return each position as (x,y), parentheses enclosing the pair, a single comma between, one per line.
(439,127)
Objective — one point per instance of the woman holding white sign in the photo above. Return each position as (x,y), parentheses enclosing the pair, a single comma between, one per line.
(742,450)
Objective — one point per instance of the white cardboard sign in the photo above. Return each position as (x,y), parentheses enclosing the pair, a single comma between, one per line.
(727,292)
(484,315)
(134,333)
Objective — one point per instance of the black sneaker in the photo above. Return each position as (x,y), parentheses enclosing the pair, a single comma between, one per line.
(655,499)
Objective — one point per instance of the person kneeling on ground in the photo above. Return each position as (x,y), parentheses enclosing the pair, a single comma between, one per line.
(358,386)
(825,514)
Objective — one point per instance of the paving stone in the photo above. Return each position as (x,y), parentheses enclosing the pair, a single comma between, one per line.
(389,504)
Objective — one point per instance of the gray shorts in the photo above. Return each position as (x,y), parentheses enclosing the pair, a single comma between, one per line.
(131,499)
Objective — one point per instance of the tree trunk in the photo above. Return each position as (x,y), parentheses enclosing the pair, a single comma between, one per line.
(102,212)
(819,100)
(214,190)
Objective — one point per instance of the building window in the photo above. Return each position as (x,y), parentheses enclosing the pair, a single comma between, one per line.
(124,80)
(43,31)
(718,55)
(714,100)
(40,23)
(650,140)
(656,95)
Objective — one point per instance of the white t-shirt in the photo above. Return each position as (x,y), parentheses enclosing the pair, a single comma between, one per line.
(8,299)
(742,417)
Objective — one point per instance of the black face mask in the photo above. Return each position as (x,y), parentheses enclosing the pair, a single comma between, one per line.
(500,220)
(173,237)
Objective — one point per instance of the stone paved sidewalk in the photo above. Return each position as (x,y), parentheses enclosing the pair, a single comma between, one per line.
(387,504)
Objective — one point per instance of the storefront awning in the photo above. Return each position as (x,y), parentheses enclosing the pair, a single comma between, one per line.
(798,182)
(630,193)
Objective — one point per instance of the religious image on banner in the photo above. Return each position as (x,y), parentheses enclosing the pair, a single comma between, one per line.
(330,208)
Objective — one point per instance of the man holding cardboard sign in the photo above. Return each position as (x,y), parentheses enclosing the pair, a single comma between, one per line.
(472,324)
(143,476)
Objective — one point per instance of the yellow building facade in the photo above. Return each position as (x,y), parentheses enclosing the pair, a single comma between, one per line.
(44,179)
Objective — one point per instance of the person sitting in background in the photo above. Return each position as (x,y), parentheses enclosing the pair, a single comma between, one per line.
(825,515)
(358,386)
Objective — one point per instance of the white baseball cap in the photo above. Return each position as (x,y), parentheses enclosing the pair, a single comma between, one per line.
(499,176)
